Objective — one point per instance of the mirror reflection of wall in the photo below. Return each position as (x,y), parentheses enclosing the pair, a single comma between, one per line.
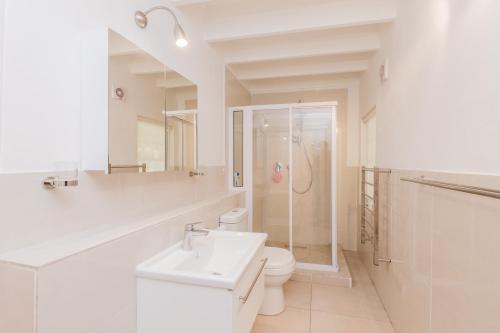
(143,93)
(151,143)
(181,139)
(180,105)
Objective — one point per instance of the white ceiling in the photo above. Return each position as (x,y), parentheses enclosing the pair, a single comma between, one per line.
(286,45)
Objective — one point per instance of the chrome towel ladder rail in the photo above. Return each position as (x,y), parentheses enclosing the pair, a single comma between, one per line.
(373,212)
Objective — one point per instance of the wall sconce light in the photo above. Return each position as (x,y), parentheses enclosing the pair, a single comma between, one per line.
(141,19)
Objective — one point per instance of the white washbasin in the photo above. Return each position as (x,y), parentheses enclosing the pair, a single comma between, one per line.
(217,260)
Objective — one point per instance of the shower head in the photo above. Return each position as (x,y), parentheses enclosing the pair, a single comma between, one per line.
(299,124)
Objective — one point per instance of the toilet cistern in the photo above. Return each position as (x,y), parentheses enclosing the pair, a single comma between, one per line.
(191,231)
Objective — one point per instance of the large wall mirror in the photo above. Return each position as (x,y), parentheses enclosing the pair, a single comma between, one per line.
(152,112)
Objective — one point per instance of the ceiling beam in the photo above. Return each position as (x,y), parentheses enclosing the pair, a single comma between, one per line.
(269,70)
(124,50)
(178,82)
(145,68)
(307,85)
(180,3)
(299,46)
(337,14)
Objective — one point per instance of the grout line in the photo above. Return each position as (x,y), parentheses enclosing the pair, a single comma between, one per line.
(353,316)
(431,234)
(35,310)
(310,307)
(360,317)
(357,318)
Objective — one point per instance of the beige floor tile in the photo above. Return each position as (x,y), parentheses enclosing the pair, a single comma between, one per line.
(291,320)
(358,271)
(301,276)
(332,279)
(298,294)
(320,254)
(322,322)
(320,308)
(360,301)
(301,254)
(337,300)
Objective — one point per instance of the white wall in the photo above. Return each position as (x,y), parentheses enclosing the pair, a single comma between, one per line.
(2,25)
(42,75)
(235,93)
(439,109)
(41,121)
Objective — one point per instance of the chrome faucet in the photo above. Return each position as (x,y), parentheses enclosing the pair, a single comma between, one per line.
(189,232)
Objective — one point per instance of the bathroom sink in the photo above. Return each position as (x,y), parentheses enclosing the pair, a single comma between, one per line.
(216,260)
(219,281)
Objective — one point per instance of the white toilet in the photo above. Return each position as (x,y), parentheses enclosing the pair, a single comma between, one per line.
(279,268)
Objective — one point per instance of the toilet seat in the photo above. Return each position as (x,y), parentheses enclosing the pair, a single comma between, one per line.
(280,261)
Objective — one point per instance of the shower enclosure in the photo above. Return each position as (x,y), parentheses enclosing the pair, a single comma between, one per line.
(283,156)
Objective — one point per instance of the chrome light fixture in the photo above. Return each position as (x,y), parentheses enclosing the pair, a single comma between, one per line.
(141,19)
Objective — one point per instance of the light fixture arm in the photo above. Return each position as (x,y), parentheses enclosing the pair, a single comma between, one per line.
(141,18)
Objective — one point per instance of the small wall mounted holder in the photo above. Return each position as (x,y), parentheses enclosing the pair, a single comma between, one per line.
(65,175)
(53,182)
(196,173)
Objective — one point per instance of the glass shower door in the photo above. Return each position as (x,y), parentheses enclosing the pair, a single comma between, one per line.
(270,179)
(312,184)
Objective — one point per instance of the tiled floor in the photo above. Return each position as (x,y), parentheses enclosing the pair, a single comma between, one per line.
(317,308)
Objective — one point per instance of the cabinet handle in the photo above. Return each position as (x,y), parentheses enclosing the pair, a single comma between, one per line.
(244,299)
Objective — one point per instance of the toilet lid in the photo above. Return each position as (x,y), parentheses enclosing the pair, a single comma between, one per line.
(278,257)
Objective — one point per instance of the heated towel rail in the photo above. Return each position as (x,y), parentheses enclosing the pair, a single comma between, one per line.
(370,214)
(372,210)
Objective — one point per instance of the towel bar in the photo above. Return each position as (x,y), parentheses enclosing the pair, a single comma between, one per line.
(486,192)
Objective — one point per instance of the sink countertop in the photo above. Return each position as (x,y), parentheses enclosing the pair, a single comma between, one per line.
(217,260)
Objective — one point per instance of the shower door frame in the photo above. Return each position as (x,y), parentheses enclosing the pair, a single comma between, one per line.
(248,168)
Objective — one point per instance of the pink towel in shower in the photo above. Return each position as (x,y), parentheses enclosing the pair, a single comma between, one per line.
(277,177)
(277,174)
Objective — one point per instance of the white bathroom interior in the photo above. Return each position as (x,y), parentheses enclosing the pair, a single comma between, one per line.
(237,166)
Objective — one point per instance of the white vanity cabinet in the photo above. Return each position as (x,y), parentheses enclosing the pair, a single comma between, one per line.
(175,295)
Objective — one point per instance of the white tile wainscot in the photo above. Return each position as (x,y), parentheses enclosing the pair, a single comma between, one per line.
(86,282)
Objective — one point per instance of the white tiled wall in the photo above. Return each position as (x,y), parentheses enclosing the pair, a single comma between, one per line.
(40,215)
(94,291)
(17,299)
(445,273)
